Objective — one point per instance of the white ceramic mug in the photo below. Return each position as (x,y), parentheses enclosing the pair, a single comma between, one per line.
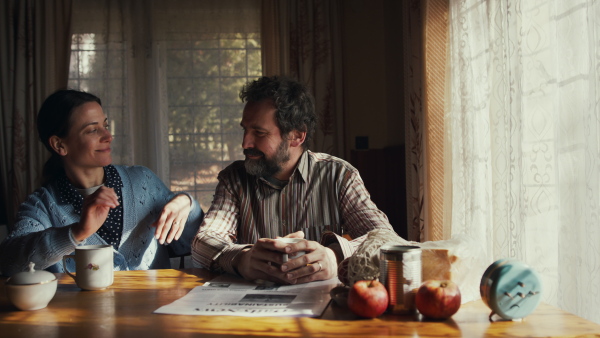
(93,266)
(291,241)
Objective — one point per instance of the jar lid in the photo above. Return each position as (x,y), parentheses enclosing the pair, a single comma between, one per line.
(399,248)
(31,277)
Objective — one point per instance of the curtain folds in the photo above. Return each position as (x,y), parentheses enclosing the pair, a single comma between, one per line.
(35,37)
(437,190)
(414,119)
(292,47)
(524,125)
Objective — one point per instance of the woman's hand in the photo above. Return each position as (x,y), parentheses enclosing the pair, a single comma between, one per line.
(94,212)
(171,222)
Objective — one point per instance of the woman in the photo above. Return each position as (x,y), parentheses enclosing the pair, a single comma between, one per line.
(86,200)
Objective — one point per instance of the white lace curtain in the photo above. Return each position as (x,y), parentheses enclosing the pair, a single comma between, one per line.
(523,117)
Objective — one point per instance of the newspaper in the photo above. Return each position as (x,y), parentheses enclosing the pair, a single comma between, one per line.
(229,295)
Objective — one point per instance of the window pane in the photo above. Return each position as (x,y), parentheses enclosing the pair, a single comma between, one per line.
(204,75)
(254,63)
(99,71)
(209,120)
(208,90)
(233,43)
(230,90)
(232,133)
(206,62)
(234,62)
(212,43)
(181,91)
(204,80)
(179,62)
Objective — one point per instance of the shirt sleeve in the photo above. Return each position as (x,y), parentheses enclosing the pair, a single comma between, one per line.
(214,246)
(359,215)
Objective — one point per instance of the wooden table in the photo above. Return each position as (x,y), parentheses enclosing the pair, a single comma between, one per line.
(125,310)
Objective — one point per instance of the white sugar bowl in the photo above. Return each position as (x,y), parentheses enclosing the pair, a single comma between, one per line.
(31,290)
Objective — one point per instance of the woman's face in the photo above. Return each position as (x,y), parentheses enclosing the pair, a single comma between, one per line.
(87,146)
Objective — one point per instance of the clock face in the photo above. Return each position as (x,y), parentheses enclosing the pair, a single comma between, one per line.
(510,288)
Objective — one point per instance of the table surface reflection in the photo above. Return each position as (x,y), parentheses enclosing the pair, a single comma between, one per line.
(125,309)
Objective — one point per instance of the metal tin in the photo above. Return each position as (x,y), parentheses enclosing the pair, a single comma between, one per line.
(400,272)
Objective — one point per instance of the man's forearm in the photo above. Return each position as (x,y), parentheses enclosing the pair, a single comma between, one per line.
(238,260)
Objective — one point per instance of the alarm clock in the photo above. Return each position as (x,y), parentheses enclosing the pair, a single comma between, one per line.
(510,288)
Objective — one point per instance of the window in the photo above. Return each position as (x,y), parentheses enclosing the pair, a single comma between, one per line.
(88,71)
(204,80)
(171,89)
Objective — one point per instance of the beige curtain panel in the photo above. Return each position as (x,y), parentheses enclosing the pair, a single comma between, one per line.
(35,35)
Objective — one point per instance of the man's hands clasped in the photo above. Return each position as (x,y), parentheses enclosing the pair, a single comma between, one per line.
(264,260)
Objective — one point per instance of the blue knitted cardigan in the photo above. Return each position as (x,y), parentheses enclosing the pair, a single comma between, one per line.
(41,232)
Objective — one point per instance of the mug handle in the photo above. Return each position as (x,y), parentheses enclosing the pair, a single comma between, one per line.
(64,260)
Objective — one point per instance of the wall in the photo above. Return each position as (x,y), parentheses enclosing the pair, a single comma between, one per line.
(372,47)
(373,101)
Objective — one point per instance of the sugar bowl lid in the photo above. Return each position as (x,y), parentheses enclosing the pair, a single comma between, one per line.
(31,276)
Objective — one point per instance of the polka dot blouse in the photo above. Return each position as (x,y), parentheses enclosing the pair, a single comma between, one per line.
(112,229)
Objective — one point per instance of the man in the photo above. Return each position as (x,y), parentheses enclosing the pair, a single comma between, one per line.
(282,189)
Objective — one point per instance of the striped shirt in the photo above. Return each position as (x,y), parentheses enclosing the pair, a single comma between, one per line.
(325,198)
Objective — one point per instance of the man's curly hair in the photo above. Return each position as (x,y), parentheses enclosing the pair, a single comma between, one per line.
(294,103)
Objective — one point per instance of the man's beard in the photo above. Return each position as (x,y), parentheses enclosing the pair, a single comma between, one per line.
(266,167)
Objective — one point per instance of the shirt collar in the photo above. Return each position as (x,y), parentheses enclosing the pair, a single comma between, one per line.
(266,188)
(303,166)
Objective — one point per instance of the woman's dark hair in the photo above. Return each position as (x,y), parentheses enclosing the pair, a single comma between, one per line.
(294,103)
(54,118)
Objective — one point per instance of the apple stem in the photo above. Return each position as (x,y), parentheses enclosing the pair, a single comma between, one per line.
(444,284)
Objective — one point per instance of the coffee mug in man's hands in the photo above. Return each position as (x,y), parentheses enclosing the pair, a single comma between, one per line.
(93,266)
(291,241)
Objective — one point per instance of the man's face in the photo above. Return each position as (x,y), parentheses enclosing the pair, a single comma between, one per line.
(265,149)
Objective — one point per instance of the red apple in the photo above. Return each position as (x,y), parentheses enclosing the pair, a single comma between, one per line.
(438,299)
(368,298)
